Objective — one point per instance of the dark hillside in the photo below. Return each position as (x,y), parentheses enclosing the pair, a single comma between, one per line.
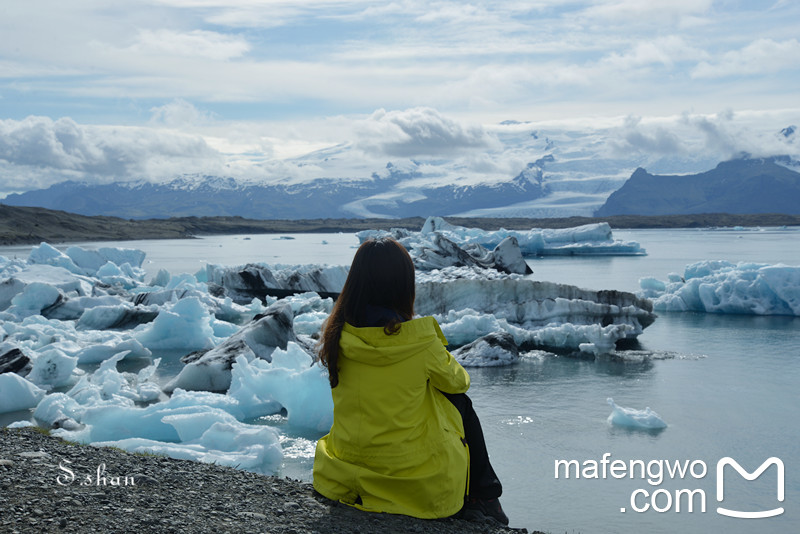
(738,186)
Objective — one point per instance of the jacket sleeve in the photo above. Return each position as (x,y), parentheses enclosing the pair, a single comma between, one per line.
(445,373)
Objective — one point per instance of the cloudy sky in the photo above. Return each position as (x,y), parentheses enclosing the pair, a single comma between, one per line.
(107,91)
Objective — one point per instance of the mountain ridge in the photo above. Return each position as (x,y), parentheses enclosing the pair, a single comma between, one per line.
(380,195)
(744,185)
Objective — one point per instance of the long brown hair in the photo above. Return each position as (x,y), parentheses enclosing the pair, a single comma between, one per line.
(382,274)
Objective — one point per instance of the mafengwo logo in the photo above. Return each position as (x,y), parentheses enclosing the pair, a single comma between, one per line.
(750,477)
(654,472)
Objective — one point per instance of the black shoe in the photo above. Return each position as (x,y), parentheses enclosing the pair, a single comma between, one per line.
(483,510)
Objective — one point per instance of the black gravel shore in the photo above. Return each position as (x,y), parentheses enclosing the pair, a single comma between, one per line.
(51,485)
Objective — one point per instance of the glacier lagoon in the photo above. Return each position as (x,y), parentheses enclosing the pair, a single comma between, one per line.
(724,384)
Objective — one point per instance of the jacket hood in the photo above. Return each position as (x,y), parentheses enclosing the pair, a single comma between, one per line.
(371,345)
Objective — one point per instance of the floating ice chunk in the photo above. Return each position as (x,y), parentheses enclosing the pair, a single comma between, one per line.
(123,275)
(257,280)
(508,257)
(113,417)
(633,418)
(9,288)
(526,303)
(107,386)
(88,260)
(491,350)
(92,260)
(103,349)
(48,255)
(462,327)
(52,368)
(211,371)
(161,279)
(310,323)
(222,308)
(34,298)
(68,283)
(223,329)
(13,360)
(725,287)
(17,393)
(21,424)
(249,447)
(186,325)
(434,250)
(589,239)
(651,287)
(59,410)
(120,314)
(182,281)
(310,311)
(121,256)
(291,380)
(195,425)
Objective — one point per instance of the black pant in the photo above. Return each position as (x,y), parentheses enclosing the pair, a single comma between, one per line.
(483,482)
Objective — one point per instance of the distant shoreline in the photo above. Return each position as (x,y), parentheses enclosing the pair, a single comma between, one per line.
(27,225)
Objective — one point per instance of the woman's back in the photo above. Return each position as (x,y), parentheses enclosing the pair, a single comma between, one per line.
(396,442)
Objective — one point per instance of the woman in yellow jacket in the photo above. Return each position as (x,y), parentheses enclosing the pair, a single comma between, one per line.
(405,439)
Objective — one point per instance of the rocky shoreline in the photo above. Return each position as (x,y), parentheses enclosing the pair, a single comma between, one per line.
(51,485)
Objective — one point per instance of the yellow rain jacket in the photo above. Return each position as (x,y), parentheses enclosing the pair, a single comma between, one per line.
(396,442)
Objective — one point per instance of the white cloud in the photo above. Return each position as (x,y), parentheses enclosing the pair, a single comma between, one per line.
(651,139)
(61,149)
(647,11)
(662,50)
(178,113)
(419,132)
(196,43)
(758,57)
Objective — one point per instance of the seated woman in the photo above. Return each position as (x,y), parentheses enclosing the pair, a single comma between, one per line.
(405,439)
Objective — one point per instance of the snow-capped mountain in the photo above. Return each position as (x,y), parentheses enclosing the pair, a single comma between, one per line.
(510,170)
(325,198)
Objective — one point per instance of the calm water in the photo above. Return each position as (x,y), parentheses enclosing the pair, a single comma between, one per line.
(726,385)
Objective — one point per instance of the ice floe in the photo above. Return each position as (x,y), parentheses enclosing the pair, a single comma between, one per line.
(645,419)
(589,239)
(17,393)
(726,287)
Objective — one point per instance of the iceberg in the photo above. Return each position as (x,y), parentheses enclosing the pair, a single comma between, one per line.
(589,239)
(12,360)
(211,370)
(17,393)
(491,350)
(469,303)
(725,287)
(52,368)
(292,380)
(224,442)
(440,244)
(259,281)
(645,419)
(186,324)
(433,250)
